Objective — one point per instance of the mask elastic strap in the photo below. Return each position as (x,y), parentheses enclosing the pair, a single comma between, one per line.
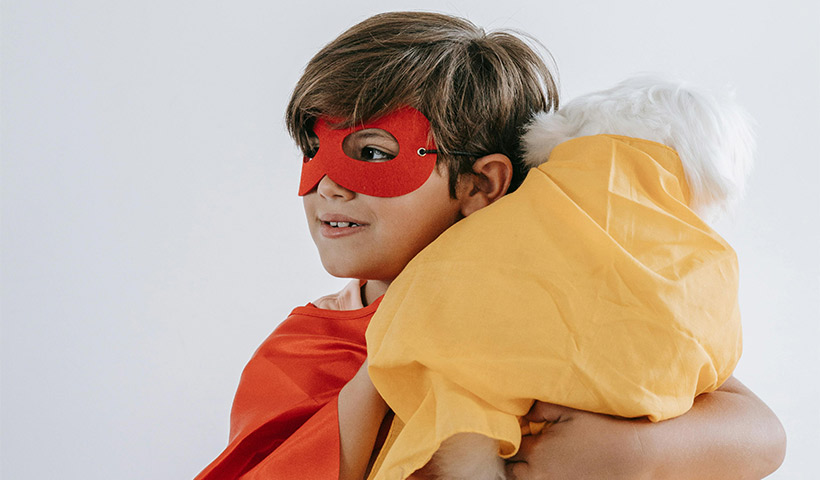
(423,151)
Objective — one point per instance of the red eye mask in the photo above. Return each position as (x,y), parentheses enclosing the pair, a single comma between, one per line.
(401,175)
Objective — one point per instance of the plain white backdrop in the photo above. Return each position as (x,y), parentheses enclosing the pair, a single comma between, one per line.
(152,236)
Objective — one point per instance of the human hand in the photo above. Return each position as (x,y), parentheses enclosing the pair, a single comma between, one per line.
(579,445)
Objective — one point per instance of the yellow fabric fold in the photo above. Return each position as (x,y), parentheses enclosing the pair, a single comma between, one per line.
(594,286)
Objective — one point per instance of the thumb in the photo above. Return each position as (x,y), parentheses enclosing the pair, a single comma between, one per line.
(549,412)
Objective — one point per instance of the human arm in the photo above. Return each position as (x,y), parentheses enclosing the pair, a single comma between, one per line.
(728,434)
(361,411)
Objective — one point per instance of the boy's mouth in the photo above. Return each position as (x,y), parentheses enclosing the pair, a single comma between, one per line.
(342,224)
(335,220)
(336,226)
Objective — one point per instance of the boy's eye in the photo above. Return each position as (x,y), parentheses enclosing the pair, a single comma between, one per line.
(371,145)
(312,148)
(374,154)
(308,154)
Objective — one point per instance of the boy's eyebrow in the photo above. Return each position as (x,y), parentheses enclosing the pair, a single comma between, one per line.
(373,133)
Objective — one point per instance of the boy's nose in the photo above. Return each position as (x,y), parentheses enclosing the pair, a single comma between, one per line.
(329,189)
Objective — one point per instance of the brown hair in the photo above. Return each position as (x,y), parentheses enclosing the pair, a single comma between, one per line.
(477,89)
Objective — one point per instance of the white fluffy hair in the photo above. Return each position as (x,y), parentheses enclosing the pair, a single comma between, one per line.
(712,135)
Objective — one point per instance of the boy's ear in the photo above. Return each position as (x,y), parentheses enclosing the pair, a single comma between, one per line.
(490,180)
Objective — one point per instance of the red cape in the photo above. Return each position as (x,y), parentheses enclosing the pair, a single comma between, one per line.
(284,421)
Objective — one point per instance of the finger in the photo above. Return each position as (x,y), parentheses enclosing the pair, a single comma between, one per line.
(524,450)
(549,412)
(517,470)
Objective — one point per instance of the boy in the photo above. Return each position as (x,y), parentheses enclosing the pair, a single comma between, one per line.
(410,122)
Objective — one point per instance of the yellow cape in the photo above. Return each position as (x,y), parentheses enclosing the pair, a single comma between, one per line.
(592,286)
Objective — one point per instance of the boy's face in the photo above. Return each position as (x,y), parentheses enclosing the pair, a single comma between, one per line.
(373,237)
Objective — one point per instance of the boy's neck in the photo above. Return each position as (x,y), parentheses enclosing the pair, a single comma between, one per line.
(372,290)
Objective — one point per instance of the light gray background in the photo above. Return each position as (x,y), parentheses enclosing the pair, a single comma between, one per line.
(152,236)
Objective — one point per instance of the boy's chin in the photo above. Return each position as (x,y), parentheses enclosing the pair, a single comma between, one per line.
(341,270)
(349,271)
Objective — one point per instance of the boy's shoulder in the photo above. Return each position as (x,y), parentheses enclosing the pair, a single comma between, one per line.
(339,314)
(349,298)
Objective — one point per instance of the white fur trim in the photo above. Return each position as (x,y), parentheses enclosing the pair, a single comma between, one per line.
(712,135)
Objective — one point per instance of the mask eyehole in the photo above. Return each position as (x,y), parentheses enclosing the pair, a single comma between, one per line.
(312,148)
(371,145)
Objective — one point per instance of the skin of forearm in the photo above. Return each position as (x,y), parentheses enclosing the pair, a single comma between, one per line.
(694,446)
(361,411)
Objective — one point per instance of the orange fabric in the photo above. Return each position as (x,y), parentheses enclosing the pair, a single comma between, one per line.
(284,421)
